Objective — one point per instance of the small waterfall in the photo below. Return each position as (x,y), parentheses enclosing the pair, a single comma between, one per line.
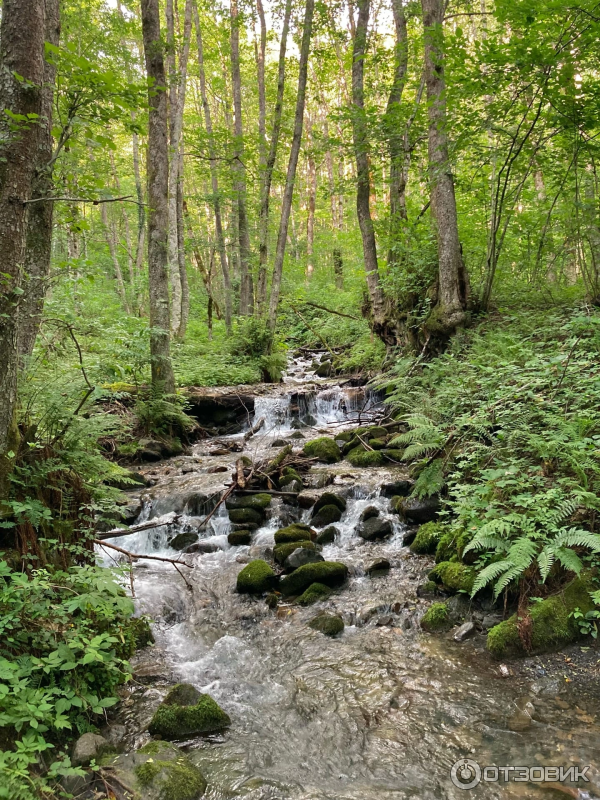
(276,412)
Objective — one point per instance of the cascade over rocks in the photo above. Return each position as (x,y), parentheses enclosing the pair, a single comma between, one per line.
(375,528)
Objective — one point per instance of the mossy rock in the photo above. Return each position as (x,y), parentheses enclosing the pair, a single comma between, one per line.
(257,577)
(344,436)
(446,549)
(237,538)
(329,499)
(374,432)
(282,551)
(427,538)
(329,624)
(158,771)
(183,540)
(258,502)
(453,576)
(243,516)
(361,457)
(178,716)
(330,573)
(323,449)
(298,532)
(378,444)
(314,593)
(551,625)
(326,515)
(393,455)
(289,475)
(436,618)
(328,535)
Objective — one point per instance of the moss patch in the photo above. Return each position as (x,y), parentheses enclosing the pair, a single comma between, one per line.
(329,499)
(237,538)
(256,577)
(293,533)
(172,721)
(314,593)
(282,551)
(427,538)
(323,449)
(330,573)
(361,457)
(258,502)
(453,576)
(329,624)
(551,625)
(243,516)
(326,515)
(289,475)
(436,618)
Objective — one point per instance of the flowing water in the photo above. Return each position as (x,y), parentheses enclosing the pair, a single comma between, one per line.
(379,713)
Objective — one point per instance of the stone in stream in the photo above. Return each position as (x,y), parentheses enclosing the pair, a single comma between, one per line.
(242,516)
(375,528)
(297,435)
(522,718)
(314,593)
(293,486)
(279,443)
(400,488)
(282,551)
(326,515)
(330,573)
(182,540)
(329,499)
(88,747)
(419,511)
(186,712)
(301,556)
(245,526)
(368,513)
(328,535)
(204,546)
(323,449)
(157,771)
(294,533)
(306,500)
(256,577)
(466,630)
(236,538)
(257,502)
(378,566)
(329,624)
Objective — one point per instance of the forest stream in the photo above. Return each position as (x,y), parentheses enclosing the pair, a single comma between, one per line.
(382,711)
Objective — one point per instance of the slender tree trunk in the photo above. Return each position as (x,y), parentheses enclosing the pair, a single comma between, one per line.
(125,220)
(449,312)
(21,54)
(312,202)
(163,380)
(185,287)
(239,169)
(265,195)
(361,150)
(216,203)
(38,248)
(139,190)
(338,269)
(110,234)
(288,193)
(262,97)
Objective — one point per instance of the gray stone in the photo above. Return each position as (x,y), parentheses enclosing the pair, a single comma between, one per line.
(490,621)
(88,747)
(420,511)
(183,540)
(466,630)
(293,486)
(368,513)
(401,488)
(302,556)
(379,565)
(374,529)
(203,547)
(115,734)
(328,535)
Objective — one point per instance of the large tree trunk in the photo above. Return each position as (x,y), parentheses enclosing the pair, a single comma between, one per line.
(216,202)
(21,54)
(450,310)
(380,323)
(288,193)
(239,169)
(163,380)
(265,189)
(38,248)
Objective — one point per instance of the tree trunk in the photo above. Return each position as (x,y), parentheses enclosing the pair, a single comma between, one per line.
(38,248)
(361,149)
(185,287)
(216,203)
(338,269)
(288,194)
(239,169)
(312,202)
(163,380)
(450,310)
(22,33)
(265,198)
(262,96)
(110,235)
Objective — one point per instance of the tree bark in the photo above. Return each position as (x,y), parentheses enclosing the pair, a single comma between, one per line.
(110,235)
(163,380)
(38,249)
(216,202)
(21,53)
(288,193)
(361,150)
(450,310)
(239,169)
(265,197)
(312,202)
(185,287)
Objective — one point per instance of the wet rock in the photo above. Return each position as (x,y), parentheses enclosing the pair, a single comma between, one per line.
(329,624)
(375,528)
(401,488)
(242,516)
(522,718)
(386,621)
(87,747)
(294,486)
(115,735)
(130,512)
(158,771)
(198,504)
(256,577)
(330,573)
(329,499)
(272,600)
(428,589)
(293,533)
(490,620)
(257,502)
(215,470)
(323,449)
(280,442)
(301,556)
(297,435)
(326,515)
(319,480)
(324,370)
(289,476)
(409,537)
(369,513)
(314,593)
(306,500)
(378,566)
(182,541)
(237,538)
(328,535)
(186,712)
(466,630)
(419,511)
(204,546)
(76,785)
(436,618)
(282,551)
(245,526)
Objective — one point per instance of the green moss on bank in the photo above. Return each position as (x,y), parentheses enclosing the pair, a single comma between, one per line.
(427,538)
(323,449)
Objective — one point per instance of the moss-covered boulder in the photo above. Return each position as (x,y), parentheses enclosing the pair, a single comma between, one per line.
(282,551)
(436,618)
(361,457)
(427,538)
(326,515)
(257,577)
(329,624)
(329,573)
(237,538)
(323,449)
(243,516)
(453,576)
(293,533)
(186,712)
(289,476)
(158,771)
(314,593)
(258,502)
(552,627)
(329,499)
(378,444)
(392,454)
(446,549)
(183,540)
(373,432)
(328,535)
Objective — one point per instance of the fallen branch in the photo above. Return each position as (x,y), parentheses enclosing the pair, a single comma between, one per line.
(132,556)
(254,429)
(144,526)
(329,310)
(95,202)
(239,468)
(310,328)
